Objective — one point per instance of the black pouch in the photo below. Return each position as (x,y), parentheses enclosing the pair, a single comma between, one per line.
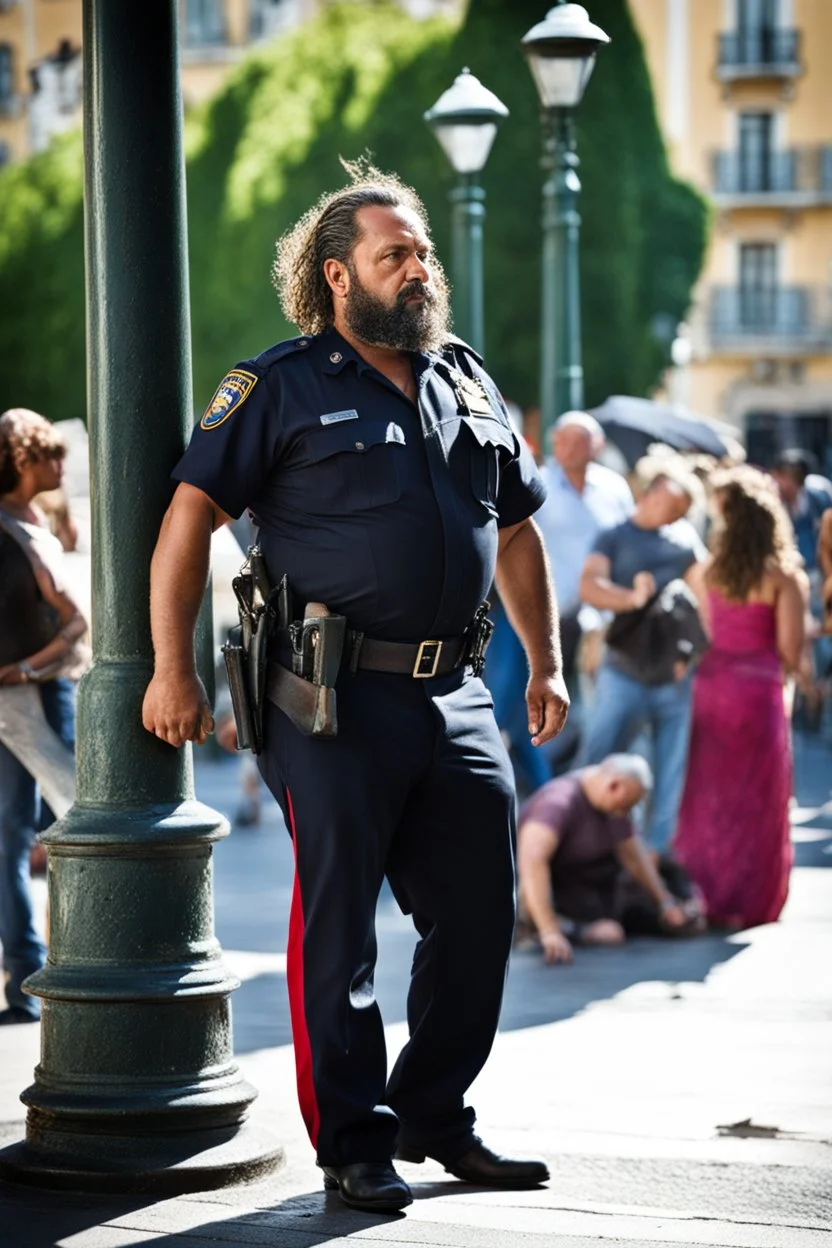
(236,665)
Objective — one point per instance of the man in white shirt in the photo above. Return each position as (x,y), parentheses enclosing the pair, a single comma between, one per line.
(583,498)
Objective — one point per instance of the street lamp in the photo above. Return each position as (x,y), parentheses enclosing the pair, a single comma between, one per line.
(464,120)
(561,53)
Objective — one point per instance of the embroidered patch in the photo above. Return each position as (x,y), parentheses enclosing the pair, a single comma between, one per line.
(233,390)
(334,418)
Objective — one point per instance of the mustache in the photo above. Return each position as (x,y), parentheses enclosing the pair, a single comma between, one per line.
(416,287)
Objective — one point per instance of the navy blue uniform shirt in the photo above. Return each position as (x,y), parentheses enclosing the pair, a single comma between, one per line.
(385,510)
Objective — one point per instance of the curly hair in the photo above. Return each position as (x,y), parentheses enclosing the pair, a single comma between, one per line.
(25,437)
(327,231)
(753,532)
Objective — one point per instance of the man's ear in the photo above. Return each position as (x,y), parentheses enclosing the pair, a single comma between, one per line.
(337,276)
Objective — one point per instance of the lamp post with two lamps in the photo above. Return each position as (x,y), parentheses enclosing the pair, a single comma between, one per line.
(561,53)
(464,120)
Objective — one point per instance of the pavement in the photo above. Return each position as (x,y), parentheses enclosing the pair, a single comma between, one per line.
(681,1092)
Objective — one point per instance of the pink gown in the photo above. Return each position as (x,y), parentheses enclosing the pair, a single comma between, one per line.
(733,830)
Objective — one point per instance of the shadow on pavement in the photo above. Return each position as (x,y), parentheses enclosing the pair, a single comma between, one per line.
(56,1218)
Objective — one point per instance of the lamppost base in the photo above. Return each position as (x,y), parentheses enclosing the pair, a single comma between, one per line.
(169,1164)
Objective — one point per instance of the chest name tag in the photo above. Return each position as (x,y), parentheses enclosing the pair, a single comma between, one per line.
(335,418)
(233,390)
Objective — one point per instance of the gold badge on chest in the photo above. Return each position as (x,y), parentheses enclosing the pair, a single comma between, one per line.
(470,394)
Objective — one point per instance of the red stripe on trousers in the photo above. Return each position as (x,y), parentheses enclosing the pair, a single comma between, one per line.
(294,979)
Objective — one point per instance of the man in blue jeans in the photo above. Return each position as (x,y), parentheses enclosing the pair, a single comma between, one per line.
(629,563)
(41,632)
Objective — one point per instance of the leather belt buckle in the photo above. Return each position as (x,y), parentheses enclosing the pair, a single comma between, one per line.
(427,659)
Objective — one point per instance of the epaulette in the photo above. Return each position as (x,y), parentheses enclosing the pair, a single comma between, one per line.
(281,349)
(460,343)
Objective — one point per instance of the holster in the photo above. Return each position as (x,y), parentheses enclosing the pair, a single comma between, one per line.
(311,708)
(306,694)
(245,651)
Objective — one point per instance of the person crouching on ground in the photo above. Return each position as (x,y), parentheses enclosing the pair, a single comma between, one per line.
(574,838)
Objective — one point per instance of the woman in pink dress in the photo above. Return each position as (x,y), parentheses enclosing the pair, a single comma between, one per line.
(733,830)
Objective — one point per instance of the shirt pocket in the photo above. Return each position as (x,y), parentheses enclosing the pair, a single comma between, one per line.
(491,444)
(354,466)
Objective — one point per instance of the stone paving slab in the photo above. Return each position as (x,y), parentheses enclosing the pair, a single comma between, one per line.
(629,1070)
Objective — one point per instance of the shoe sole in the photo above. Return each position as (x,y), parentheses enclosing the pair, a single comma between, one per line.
(379,1206)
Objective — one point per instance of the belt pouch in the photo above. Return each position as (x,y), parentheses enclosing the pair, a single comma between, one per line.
(235,666)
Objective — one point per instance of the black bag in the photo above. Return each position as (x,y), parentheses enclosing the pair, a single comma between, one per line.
(649,642)
(27,621)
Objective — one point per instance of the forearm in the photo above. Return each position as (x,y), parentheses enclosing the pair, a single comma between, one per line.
(601,592)
(536,893)
(525,586)
(638,862)
(178,577)
(51,656)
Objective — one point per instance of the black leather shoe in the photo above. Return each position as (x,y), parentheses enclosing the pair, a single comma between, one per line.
(368,1185)
(477,1164)
(15,1014)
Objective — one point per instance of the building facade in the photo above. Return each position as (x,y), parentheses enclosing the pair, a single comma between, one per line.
(743,91)
(40,59)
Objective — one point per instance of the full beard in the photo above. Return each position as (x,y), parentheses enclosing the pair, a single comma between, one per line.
(402,326)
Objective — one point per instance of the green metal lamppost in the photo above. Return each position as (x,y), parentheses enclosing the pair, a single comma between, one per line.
(561,53)
(137,1088)
(464,120)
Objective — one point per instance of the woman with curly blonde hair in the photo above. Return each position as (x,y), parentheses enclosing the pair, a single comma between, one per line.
(733,831)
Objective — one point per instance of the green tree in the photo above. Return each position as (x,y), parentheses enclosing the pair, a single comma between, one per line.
(358,79)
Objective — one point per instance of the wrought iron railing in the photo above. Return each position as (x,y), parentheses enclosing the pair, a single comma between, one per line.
(789,316)
(759,50)
(789,171)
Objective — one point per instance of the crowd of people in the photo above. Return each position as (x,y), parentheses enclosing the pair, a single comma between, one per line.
(696,616)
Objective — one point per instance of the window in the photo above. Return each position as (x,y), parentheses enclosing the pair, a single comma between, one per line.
(756,154)
(6,75)
(204,21)
(758,286)
(756,27)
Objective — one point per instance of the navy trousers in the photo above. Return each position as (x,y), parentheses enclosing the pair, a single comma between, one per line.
(416,786)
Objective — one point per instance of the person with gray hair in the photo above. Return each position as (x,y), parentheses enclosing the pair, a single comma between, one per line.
(575,842)
(583,498)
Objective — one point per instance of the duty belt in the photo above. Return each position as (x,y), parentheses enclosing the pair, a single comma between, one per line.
(418,659)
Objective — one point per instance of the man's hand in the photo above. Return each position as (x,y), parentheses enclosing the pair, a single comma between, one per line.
(672,914)
(10,674)
(556,948)
(644,587)
(547,700)
(176,709)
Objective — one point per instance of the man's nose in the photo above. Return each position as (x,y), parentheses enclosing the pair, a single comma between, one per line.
(418,270)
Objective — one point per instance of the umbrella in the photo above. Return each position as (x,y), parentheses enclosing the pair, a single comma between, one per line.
(633,423)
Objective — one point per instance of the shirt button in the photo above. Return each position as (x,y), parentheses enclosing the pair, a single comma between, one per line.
(303,342)
(336,357)
(359,446)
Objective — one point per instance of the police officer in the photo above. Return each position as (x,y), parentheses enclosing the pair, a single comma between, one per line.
(387,481)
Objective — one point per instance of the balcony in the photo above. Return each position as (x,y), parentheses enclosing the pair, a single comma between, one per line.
(758,53)
(781,321)
(795,177)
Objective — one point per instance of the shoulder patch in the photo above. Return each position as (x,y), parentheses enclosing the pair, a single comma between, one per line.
(232,391)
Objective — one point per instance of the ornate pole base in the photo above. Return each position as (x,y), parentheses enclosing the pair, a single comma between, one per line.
(137,1088)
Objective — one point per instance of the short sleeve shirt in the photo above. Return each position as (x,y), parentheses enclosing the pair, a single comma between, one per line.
(667,552)
(584,867)
(386,510)
(585,835)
